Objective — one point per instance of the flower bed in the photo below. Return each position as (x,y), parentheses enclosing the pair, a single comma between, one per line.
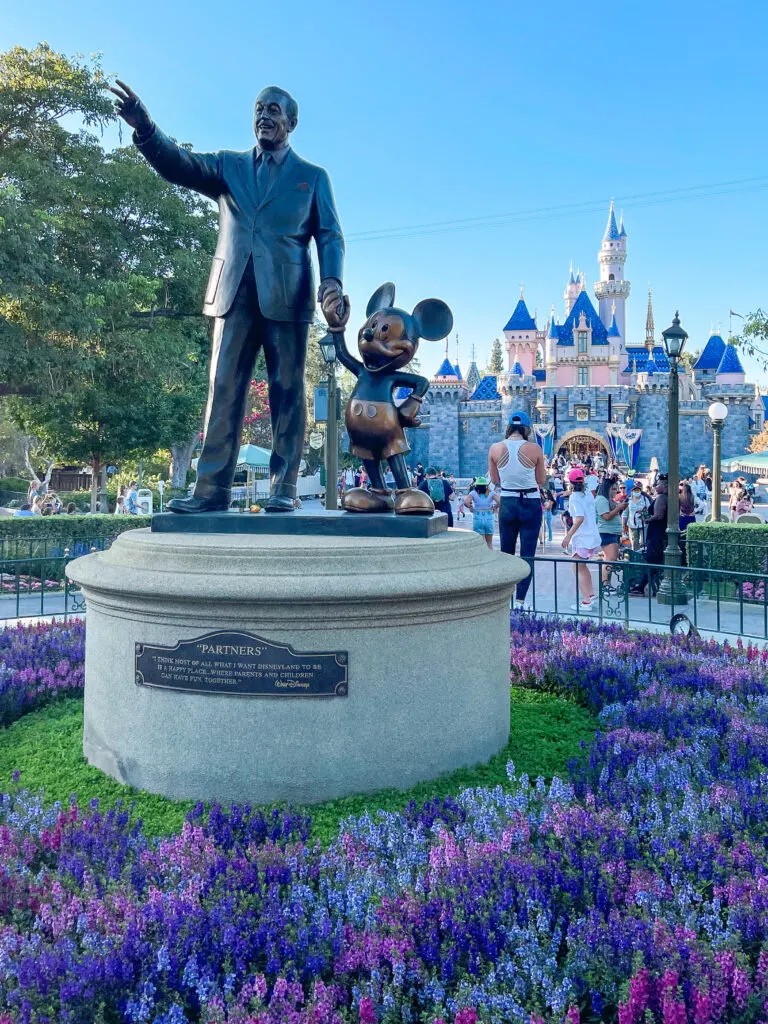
(634,890)
(37,665)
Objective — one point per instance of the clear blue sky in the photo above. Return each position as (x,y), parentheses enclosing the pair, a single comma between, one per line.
(428,112)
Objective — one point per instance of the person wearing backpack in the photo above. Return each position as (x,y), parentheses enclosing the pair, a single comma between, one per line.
(439,490)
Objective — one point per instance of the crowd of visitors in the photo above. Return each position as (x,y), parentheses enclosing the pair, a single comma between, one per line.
(603,508)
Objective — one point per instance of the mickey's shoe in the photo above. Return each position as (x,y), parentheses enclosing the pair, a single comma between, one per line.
(359,499)
(410,501)
(196,504)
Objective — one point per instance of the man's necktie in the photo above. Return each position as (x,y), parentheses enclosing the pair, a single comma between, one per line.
(263,175)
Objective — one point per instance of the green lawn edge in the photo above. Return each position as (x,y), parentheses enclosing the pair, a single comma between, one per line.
(546,731)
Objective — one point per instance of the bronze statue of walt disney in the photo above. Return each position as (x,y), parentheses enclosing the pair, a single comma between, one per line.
(387,342)
(260,292)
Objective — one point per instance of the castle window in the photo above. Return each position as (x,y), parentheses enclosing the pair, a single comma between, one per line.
(583,376)
(611,277)
(582,341)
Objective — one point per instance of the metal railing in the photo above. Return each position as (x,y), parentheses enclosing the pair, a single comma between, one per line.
(717,600)
(38,588)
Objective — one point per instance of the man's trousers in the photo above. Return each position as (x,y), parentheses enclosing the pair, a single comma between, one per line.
(237,338)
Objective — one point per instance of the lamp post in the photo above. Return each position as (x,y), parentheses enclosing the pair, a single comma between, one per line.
(328,349)
(672,591)
(718,413)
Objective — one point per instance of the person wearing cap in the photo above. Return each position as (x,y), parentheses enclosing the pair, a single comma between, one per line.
(482,504)
(583,537)
(637,506)
(517,466)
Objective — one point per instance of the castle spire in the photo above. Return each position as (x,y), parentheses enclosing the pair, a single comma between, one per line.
(650,342)
(611,228)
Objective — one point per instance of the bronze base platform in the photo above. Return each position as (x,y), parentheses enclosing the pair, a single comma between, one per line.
(319,523)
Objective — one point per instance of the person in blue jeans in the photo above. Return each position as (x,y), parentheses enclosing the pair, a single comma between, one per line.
(548,504)
(516,465)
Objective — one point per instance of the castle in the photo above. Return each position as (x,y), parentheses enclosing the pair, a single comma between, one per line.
(586,386)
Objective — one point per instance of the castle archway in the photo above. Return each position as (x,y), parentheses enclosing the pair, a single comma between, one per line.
(581,442)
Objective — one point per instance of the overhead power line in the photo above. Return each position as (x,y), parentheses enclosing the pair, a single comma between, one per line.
(636,201)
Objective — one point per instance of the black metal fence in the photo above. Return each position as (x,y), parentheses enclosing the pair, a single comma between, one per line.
(715,600)
(39,588)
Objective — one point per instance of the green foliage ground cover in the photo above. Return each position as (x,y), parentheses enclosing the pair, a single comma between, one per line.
(46,747)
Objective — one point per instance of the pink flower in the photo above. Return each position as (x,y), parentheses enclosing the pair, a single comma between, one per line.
(573,1016)
(466,1016)
(367,1011)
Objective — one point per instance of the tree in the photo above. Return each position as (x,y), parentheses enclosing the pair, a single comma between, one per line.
(102,266)
(257,427)
(689,359)
(759,442)
(12,445)
(754,338)
(496,365)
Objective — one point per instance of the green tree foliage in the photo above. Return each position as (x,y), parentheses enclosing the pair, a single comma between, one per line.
(496,364)
(102,268)
(754,338)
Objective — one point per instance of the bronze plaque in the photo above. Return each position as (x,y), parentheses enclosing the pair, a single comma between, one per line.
(243,665)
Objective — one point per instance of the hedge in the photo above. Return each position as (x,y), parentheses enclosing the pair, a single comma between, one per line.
(48,536)
(737,547)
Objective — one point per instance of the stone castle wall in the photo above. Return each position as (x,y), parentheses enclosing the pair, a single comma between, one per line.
(455,434)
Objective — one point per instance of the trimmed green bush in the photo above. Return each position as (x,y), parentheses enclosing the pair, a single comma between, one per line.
(40,537)
(735,547)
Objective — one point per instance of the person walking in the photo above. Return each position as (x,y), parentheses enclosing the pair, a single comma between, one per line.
(482,504)
(516,466)
(439,490)
(547,506)
(132,500)
(687,515)
(733,497)
(583,537)
(609,512)
(634,514)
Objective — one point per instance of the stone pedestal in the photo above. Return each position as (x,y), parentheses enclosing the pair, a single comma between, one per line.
(424,623)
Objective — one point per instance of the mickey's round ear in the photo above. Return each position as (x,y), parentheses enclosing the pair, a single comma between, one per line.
(382,298)
(433,319)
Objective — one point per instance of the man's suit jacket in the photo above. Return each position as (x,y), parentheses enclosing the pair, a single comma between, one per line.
(275,230)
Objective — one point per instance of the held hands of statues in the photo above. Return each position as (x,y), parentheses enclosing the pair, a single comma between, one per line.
(131,109)
(336,308)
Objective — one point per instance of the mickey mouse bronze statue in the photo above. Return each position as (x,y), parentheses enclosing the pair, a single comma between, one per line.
(387,341)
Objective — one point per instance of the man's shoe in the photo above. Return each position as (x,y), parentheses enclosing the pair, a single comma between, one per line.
(195,504)
(279,503)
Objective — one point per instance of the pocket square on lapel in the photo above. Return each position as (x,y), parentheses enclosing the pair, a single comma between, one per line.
(303,186)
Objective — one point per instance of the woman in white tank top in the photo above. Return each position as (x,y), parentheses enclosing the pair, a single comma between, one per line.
(517,466)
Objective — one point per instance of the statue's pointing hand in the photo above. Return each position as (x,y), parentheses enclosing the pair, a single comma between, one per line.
(131,109)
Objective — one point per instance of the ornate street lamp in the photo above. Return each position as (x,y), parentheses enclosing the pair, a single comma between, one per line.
(672,591)
(328,350)
(718,413)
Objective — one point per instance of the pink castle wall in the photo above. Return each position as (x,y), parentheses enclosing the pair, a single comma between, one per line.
(600,375)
